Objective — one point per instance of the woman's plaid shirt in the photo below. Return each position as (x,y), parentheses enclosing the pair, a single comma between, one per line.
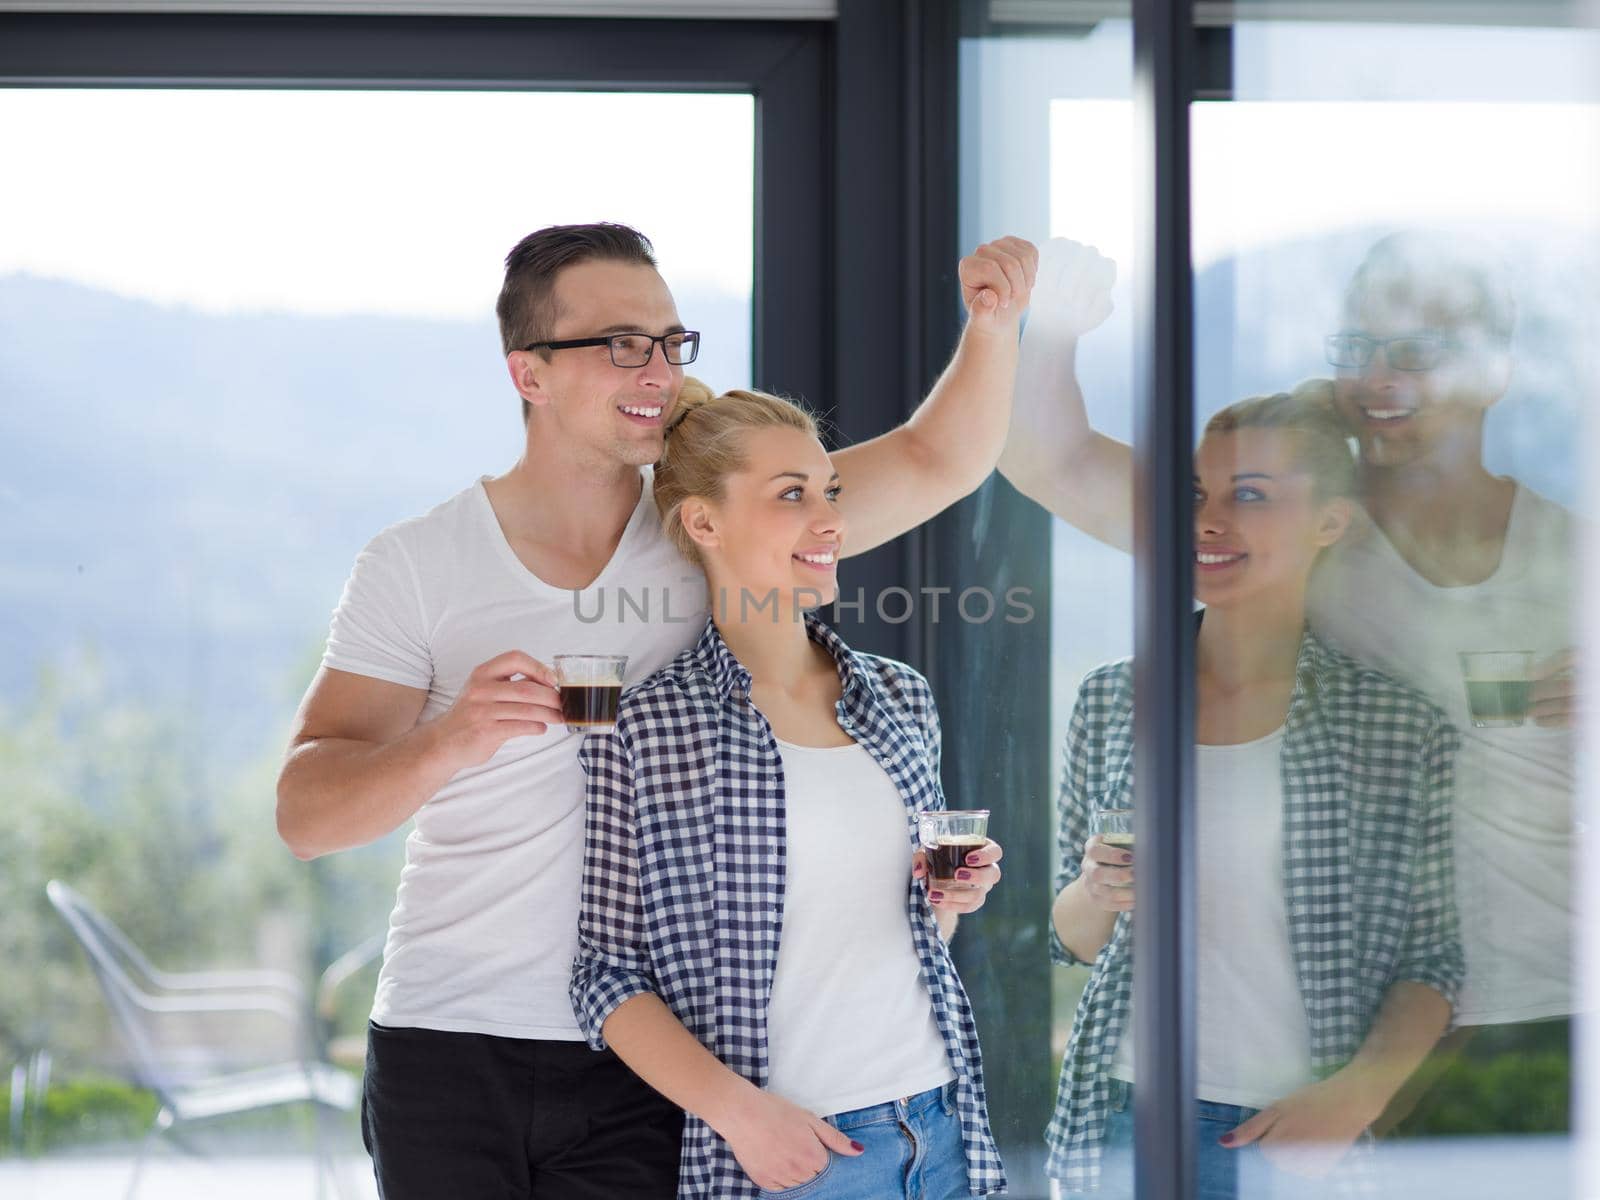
(683,872)
(1368,776)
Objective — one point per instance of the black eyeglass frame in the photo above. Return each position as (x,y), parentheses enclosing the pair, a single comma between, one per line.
(1369,347)
(690,340)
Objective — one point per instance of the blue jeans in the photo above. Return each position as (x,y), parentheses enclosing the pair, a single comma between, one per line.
(1223,1174)
(913,1152)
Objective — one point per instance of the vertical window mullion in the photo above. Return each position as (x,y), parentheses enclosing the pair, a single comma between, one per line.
(1164,950)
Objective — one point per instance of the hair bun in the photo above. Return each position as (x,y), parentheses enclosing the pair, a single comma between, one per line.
(692,395)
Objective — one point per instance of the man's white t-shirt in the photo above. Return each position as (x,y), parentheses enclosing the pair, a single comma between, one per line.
(485,923)
(1514,829)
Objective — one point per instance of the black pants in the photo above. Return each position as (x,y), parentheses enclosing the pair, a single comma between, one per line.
(491,1118)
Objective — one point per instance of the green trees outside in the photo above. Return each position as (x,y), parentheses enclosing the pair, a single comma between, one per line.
(96,791)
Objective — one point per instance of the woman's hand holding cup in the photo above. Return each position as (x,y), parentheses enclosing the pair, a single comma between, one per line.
(971,883)
(957,861)
(1107,870)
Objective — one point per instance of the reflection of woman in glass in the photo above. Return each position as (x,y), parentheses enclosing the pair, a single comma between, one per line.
(757,940)
(1328,949)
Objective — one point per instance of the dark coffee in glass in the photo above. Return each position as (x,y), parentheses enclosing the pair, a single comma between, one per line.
(950,853)
(947,836)
(585,706)
(591,689)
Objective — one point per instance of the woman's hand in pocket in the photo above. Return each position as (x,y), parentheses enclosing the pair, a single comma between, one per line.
(780,1145)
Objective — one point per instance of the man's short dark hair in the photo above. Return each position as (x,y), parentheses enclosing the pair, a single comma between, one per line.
(527,306)
(1460,280)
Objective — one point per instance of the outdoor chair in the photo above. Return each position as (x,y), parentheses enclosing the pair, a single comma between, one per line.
(191,1079)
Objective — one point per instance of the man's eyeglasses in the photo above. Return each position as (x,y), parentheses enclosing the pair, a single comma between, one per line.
(1414,352)
(635,349)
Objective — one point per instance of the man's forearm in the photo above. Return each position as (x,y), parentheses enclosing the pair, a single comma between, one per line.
(1053,455)
(962,423)
(1049,419)
(948,447)
(336,793)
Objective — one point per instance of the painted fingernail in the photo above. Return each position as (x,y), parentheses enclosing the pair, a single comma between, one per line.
(936,896)
(856,1146)
(963,874)
(973,860)
(1226,1139)
(1127,858)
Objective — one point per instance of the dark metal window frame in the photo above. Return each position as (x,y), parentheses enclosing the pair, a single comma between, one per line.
(857,152)
(783,63)
(898,200)
(1164,657)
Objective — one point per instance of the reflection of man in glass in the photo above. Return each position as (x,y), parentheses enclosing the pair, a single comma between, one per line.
(1444,558)
(1455,559)
(435,703)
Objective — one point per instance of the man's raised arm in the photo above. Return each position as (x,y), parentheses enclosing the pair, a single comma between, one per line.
(948,447)
(1053,455)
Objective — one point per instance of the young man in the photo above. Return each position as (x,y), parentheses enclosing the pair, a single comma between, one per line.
(436,702)
(1445,558)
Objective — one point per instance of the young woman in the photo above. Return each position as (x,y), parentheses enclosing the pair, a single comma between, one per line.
(1328,950)
(757,938)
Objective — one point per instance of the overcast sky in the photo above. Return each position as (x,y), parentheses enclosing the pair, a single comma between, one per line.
(340,202)
(406,202)
(1269,170)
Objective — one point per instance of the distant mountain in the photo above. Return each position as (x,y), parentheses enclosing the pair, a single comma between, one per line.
(186,491)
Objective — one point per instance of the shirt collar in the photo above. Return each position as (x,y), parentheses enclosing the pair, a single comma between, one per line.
(733,680)
(1313,673)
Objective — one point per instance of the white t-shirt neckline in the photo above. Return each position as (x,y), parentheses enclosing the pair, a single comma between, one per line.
(816,749)
(497,537)
(1514,550)
(1252,744)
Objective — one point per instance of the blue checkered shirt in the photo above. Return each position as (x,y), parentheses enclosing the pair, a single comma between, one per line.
(1367,767)
(683,872)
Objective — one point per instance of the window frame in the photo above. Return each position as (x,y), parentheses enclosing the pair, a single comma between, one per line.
(782,63)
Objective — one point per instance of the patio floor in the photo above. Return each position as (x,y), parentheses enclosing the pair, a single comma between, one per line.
(1538,1168)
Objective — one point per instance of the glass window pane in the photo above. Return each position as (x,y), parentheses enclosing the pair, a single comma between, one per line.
(241,332)
(1045,152)
(1383,181)
(1427,192)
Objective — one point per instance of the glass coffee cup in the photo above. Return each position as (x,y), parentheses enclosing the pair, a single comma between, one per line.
(947,837)
(1115,827)
(1497,686)
(591,690)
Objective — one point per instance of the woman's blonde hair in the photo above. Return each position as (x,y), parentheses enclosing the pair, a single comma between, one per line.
(705,444)
(1307,411)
